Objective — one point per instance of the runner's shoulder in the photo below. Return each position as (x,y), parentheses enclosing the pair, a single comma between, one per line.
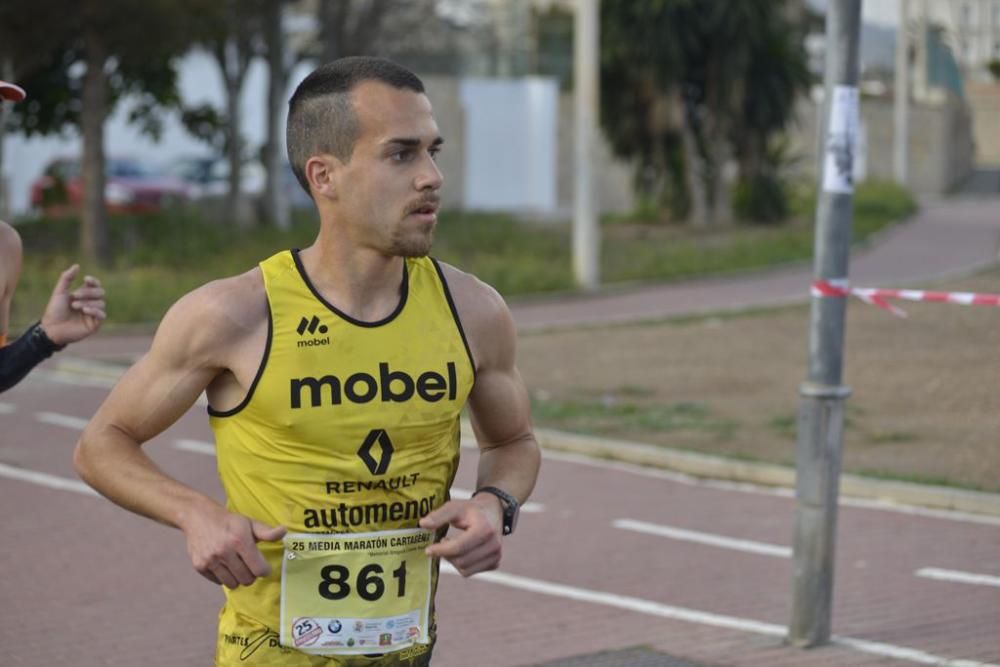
(484,314)
(473,296)
(216,315)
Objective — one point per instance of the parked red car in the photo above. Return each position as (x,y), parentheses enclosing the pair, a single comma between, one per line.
(131,187)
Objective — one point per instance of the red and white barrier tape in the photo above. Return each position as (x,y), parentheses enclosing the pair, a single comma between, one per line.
(877,296)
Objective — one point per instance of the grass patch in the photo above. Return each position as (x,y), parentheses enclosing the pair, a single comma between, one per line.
(890,437)
(598,417)
(159,258)
(784,425)
(876,473)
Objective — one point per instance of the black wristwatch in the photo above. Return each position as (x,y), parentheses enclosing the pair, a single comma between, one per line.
(511,508)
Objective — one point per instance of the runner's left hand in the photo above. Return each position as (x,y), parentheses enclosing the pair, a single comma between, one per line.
(473,541)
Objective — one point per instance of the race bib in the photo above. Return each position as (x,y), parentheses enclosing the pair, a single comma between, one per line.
(357,592)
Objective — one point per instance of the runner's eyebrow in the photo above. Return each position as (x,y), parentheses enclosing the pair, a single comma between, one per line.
(409,142)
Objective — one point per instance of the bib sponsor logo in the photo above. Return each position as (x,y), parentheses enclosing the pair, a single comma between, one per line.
(342,515)
(388,387)
(381,438)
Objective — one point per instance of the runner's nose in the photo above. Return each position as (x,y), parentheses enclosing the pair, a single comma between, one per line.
(429,177)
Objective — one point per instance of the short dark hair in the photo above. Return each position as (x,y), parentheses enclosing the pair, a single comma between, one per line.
(321,115)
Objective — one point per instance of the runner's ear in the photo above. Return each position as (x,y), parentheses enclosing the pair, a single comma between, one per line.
(320,171)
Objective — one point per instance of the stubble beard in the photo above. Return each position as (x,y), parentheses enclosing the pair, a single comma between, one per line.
(413,245)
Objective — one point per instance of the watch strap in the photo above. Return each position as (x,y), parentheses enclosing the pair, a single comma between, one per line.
(510,505)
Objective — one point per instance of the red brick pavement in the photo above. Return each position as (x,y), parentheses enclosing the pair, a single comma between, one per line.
(88,584)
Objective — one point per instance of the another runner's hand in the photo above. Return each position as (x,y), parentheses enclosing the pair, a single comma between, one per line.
(223,547)
(473,541)
(72,315)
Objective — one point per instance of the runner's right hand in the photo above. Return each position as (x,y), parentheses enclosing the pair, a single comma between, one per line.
(223,546)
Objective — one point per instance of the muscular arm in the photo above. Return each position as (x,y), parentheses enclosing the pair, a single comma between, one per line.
(185,357)
(151,396)
(509,457)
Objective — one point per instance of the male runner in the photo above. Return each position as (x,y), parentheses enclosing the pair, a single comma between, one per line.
(69,315)
(335,376)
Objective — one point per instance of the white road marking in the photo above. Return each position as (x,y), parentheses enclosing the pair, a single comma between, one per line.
(703,538)
(528,507)
(57,419)
(75,379)
(958,576)
(44,479)
(704,618)
(7,408)
(195,446)
(99,381)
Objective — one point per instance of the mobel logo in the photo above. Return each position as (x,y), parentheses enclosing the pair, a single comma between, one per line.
(313,327)
(387,386)
(375,437)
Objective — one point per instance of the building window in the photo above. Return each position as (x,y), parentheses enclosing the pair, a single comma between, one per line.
(966,14)
(996,49)
(996,14)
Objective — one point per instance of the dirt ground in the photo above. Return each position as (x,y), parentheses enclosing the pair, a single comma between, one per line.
(925,405)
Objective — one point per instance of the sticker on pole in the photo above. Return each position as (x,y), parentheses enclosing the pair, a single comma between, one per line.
(841,141)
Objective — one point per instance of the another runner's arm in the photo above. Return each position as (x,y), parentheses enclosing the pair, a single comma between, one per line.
(152,395)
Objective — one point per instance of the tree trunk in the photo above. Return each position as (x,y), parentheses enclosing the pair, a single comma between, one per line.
(275,200)
(718,184)
(233,64)
(93,216)
(693,165)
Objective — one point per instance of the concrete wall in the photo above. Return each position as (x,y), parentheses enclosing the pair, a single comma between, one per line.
(443,93)
(942,153)
(614,176)
(942,150)
(984,99)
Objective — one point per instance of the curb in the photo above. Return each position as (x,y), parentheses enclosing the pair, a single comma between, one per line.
(765,474)
(690,463)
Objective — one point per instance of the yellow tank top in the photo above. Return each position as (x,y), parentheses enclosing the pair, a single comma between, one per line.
(349,426)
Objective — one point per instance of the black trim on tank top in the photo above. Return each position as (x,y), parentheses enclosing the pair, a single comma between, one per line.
(454,314)
(260,372)
(404,290)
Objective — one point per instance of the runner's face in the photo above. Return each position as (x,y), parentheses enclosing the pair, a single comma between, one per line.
(388,190)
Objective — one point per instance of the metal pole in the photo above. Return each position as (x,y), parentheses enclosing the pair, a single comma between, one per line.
(901,128)
(821,411)
(586,235)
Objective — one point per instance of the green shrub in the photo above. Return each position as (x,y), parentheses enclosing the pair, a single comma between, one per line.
(760,199)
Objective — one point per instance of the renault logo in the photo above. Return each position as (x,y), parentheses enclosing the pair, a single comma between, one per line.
(381,465)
